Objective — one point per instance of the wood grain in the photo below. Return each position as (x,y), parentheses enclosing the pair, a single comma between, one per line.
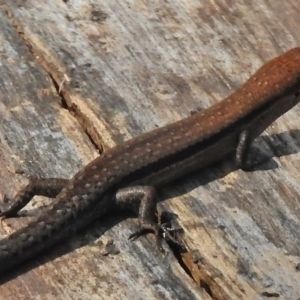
(81,76)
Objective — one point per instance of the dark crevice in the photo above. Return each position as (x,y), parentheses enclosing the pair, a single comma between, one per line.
(75,112)
(59,93)
(207,288)
(270,295)
(81,119)
(84,122)
(177,251)
(87,127)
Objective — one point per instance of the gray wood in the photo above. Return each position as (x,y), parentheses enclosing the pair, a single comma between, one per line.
(125,68)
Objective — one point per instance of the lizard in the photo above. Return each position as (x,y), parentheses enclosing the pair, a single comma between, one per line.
(127,176)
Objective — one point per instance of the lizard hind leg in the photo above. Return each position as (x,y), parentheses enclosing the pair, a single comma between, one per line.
(49,187)
(143,200)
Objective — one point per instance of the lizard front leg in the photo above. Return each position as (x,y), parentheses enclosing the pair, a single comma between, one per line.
(144,199)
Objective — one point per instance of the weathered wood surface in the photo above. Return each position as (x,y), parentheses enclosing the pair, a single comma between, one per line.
(82,76)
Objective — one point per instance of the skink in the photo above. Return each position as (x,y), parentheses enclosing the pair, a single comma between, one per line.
(126,176)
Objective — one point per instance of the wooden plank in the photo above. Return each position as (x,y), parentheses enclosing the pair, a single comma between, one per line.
(133,66)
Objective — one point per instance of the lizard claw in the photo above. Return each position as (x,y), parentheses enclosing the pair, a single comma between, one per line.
(156,229)
(137,234)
